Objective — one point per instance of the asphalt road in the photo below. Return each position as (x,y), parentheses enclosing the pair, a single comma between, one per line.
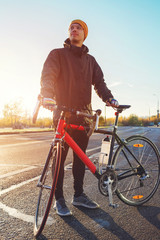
(21,160)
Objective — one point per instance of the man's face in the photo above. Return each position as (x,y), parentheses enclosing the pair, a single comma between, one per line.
(76,34)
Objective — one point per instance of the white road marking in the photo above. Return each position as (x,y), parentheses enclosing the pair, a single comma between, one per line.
(94,155)
(20,165)
(14,212)
(13,187)
(93,149)
(97,153)
(24,217)
(17,214)
(16,172)
(25,143)
(69,166)
(13,165)
(96,134)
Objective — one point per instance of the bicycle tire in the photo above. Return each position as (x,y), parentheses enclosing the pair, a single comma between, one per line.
(47,184)
(138,188)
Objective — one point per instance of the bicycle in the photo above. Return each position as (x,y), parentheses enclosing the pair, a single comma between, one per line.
(132,172)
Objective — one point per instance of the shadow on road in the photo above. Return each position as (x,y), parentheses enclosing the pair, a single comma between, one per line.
(151,214)
(102,220)
(80,228)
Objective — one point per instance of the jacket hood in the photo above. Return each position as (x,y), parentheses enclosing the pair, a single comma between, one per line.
(77,50)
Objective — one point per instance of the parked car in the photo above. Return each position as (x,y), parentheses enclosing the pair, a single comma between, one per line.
(151,124)
(17,125)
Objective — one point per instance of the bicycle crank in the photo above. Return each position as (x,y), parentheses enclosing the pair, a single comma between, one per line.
(108,184)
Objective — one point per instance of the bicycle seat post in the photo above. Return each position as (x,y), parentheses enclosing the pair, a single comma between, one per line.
(119,110)
(113,139)
(116,120)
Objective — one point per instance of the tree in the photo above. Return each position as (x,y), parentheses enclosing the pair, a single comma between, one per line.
(101,120)
(12,112)
(133,120)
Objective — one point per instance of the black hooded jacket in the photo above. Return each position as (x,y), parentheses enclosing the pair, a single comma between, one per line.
(68,75)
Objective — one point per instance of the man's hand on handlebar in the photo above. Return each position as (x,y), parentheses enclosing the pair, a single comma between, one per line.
(112,102)
(48,103)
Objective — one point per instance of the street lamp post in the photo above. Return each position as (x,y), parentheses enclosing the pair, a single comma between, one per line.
(157,108)
(158,112)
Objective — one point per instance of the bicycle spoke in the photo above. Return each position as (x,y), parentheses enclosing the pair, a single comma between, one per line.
(138,170)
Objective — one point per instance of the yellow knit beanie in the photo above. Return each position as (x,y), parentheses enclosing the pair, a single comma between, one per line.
(83,25)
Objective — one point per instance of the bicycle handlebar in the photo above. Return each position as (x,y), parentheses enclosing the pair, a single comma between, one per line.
(36,110)
(50,104)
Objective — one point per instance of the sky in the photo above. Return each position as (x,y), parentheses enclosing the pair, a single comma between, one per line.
(124,38)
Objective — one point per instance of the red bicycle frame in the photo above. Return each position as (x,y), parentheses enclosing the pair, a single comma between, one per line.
(61,133)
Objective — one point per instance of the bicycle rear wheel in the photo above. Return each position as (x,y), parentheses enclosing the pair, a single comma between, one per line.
(47,184)
(137,182)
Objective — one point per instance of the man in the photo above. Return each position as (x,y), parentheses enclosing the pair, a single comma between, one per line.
(68,75)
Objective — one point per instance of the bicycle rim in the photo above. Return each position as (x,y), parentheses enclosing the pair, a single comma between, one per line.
(137,182)
(47,186)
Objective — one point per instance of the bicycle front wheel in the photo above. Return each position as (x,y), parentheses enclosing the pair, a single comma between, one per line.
(47,185)
(138,170)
